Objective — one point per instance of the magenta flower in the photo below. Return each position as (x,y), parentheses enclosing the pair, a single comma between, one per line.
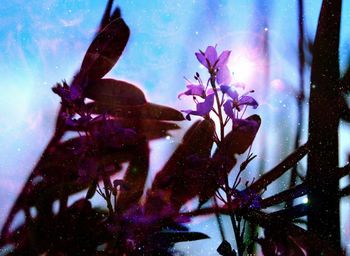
(215,64)
(194,90)
(210,58)
(202,108)
(236,102)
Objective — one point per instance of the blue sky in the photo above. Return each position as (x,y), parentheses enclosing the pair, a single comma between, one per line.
(43,42)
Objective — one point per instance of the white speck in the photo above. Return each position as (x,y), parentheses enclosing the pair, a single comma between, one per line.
(305,200)
(168,137)
(266,29)
(196,32)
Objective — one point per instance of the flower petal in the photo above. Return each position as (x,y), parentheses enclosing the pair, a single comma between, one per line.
(223,59)
(211,55)
(223,76)
(228,109)
(239,85)
(229,91)
(201,58)
(194,89)
(205,107)
(202,109)
(249,101)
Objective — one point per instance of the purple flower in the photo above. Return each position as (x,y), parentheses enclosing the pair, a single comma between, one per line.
(210,58)
(194,89)
(215,64)
(247,199)
(236,102)
(202,108)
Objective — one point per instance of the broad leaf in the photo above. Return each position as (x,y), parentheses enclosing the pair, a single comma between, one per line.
(135,177)
(145,111)
(105,50)
(114,92)
(179,176)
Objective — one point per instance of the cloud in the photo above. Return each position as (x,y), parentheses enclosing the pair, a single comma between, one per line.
(71,23)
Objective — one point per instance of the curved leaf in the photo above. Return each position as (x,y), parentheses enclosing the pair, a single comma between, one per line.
(180,178)
(280,169)
(57,175)
(135,178)
(180,236)
(145,111)
(105,50)
(114,92)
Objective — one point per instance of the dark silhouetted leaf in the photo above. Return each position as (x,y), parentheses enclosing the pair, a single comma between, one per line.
(238,140)
(105,50)
(181,236)
(114,92)
(304,239)
(145,111)
(179,176)
(92,190)
(285,196)
(149,129)
(294,212)
(224,159)
(225,249)
(281,168)
(107,16)
(57,175)
(135,177)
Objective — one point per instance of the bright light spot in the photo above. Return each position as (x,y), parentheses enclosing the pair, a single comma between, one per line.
(305,200)
(168,137)
(243,69)
(278,85)
(266,29)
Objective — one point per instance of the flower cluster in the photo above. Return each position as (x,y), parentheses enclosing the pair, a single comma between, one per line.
(219,81)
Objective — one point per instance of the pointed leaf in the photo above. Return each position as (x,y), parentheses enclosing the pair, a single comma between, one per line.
(106,18)
(285,196)
(114,92)
(294,212)
(105,50)
(145,111)
(224,159)
(225,249)
(57,175)
(179,176)
(181,236)
(305,239)
(92,190)
(280,169)
(135,177)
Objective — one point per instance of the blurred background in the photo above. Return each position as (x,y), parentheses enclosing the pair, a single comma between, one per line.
(42,43)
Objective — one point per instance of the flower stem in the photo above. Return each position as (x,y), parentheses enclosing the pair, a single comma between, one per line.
(212,82)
